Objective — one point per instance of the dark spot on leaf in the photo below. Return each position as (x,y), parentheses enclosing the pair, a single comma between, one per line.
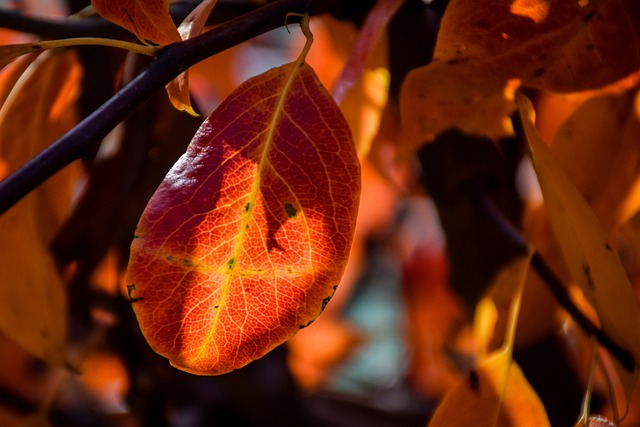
(290,210)
(217,306)
(169,257)
(308,323)
(327,299)
(483,23)
(607,247)
(130,289)
(247,207)
(135,236)
(538,72)
(230,263)
(454,61)
(589,16)
(587,271)
(187,262)
(474,380)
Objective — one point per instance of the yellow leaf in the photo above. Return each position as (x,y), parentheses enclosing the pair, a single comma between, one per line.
(496,393)
(591,259)
(604,131)
(479,402)
(32,296)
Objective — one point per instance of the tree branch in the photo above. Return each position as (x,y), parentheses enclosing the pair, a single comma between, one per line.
(484,204)
(172,60)
(64,28)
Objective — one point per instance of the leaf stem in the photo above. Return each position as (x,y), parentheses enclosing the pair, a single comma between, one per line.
(97,41)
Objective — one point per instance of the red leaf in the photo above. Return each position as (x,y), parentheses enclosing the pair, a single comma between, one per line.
(149,20)
(248,235)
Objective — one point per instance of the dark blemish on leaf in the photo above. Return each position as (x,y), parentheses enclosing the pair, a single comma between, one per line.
(130,289)
(308,323)
(217,306)
(589,16)
(187,262)
(327,299)
(474,380)
(484,24)
(247,207)
(290,210)
(36,48)
(538,72)
(587,271)
(230,263)
(454,61)
(135,236)
(608,247)
(169,258)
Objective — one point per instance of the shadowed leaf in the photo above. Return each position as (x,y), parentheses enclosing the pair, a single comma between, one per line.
(149,20)
(246,238)
(178,88)
(477,401)
(496,393)
(483,53)
(604,131)
(591,259)
(32,298)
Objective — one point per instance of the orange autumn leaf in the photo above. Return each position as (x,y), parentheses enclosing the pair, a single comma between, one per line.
(604,131)
(178,88)
(496,393)
(149,20)
(478,400)
(39,110)
(246,238)
(483,54)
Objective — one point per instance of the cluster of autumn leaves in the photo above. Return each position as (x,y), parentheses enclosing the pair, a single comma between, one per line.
(578,61)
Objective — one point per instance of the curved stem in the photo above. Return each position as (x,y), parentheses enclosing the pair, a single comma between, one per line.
(96,41)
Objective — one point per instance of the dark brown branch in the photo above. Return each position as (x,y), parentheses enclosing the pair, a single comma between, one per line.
(170,63)
(484,204)
(61,28)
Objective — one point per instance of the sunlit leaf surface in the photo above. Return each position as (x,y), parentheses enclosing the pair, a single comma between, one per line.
(247,237)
